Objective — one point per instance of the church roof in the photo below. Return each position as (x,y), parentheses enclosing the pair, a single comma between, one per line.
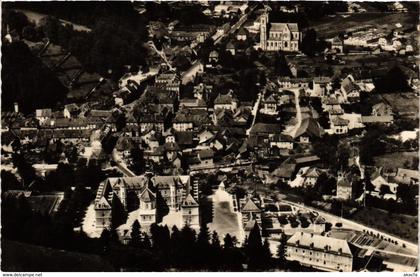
(292,27)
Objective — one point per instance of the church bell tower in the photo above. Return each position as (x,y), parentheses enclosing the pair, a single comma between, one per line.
(263,30)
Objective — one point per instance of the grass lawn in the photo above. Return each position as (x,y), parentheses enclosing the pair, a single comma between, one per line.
(403,226)
(396,159)
(17,256)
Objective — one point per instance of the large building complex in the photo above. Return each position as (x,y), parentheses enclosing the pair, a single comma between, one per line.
(178,193)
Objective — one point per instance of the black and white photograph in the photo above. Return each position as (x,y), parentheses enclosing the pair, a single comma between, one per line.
(209,136)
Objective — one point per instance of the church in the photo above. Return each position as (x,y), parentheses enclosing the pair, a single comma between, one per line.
(279,36)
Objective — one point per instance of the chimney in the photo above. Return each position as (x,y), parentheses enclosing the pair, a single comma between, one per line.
(16,107)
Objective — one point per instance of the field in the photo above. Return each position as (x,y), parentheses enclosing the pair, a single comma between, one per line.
(405,104)
(403,226)
(332,26)
(17,256)
(396,159)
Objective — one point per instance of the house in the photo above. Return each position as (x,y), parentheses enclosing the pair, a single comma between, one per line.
(71,110)
(339,125)
(192,103)
(310,176)
(321,252)
(242,34)
(269,105)
(279,36)
(43,114)
(288,83)
(242,116)
(201,91)
(349,89)
(378,181)
(226,101)
(151,122)
(309,128)
(284,173)
(185,139)
(337,44)
(230,47)
(382,109)
(203,159)
(281,141)
(214,56)
(168,78)
(344,188)
(189,119)
(320,86)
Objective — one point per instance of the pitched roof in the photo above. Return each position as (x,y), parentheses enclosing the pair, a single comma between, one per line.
(267,128)
(223,99)
(285,170)
(343,182)
(292,27)
(206,154)
(377,119)
(147,196)
(318,242)
(243,32)
(189,202)
(310,127)
(250,206)
(338,121)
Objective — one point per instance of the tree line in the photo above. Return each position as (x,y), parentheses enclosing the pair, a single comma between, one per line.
(160,249)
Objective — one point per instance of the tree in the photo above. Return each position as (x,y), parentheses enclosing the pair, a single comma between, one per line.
(384,189)
(9,181)
(145,243)
(105,239)
(254,248)
(118,213)
(309,43)
(405,194)
(228,242)
(135,234)
(280,65)
(281,251)
(266,254)
(215,242)
(394,81)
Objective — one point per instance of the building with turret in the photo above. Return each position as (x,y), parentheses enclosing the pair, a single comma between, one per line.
(141,195)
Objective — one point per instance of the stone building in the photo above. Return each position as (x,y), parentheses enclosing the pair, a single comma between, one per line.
(279,36)
(324,253)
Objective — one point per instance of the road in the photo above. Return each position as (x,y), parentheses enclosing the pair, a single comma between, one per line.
(291,131)
(346,223)
(120,164)
(237,25)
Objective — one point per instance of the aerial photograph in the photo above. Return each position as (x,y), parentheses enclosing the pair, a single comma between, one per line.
(209,136)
